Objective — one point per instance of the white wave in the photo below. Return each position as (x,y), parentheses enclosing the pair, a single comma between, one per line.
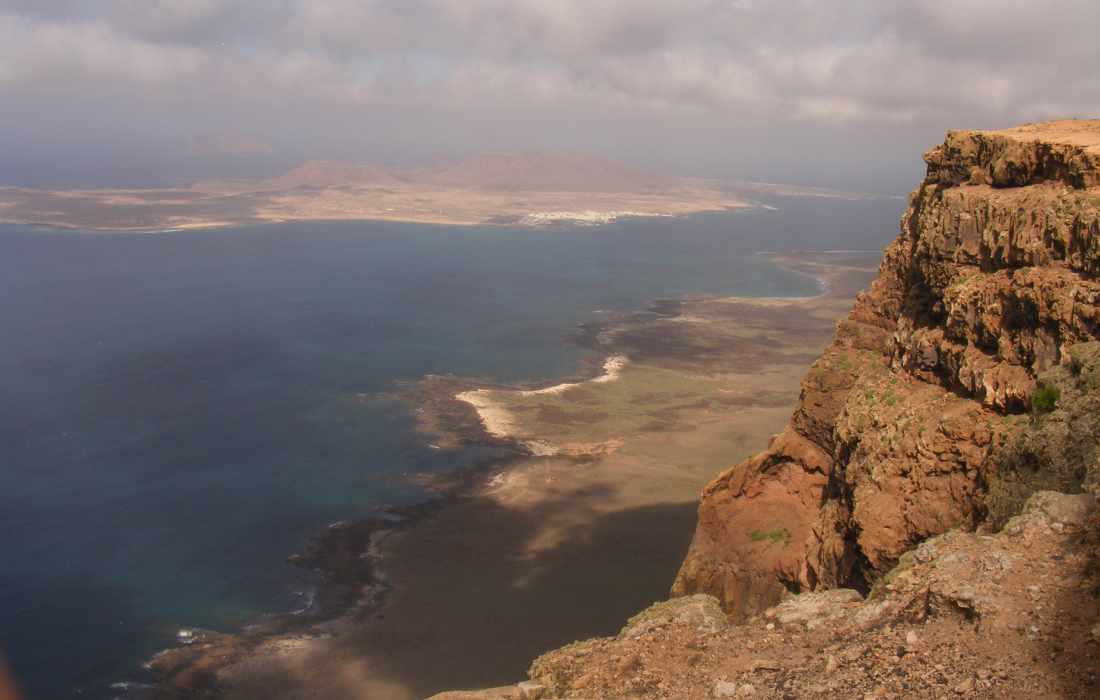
(612,368)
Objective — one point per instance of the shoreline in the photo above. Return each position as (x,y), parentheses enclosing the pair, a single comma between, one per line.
(534,222)
(500,423)
(180,209)
(122,211)
(523,488)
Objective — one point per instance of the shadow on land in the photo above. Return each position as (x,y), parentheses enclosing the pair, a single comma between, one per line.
(1072,657)
(480,592)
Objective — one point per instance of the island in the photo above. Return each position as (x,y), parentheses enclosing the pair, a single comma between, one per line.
(524,189)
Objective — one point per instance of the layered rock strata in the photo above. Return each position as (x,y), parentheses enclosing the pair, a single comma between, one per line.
(990,282)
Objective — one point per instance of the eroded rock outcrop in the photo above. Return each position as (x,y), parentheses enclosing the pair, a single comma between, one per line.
(991,282)
(967,615)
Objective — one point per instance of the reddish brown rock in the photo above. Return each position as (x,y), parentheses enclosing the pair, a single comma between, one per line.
(968,615)
(990,282)
(761,507)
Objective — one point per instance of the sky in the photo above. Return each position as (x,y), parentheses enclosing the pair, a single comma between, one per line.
(840,94)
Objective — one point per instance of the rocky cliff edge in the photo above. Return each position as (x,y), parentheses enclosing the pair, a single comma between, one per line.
(931,380)
(926,525)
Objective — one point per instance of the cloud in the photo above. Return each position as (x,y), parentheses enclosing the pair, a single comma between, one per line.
(390,67)
(50,58)
(229,144)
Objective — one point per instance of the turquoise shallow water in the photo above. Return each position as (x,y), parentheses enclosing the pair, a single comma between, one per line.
(182,410)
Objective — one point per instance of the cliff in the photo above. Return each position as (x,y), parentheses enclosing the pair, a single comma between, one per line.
(927,385)
(926,525)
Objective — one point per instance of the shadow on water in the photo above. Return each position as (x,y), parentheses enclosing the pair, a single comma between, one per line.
(482,595)
(38,614)
(208,378)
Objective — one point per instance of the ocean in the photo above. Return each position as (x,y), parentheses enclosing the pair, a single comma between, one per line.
(183,410)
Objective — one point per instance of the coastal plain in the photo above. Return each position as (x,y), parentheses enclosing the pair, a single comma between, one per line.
(586,524)
(507,188)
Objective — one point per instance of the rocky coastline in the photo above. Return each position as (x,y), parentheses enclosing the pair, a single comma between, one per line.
(927,524)
(364,566)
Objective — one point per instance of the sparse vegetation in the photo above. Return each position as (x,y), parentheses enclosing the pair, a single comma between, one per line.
(1084,363)
(775,536)
(1057,452)
(1045,398)
(878,588)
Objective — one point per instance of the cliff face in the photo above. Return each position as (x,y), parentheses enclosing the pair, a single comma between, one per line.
(903,420)
(961,396)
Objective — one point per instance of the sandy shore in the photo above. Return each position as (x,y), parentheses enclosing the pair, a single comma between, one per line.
(554,546)
(148,210)
(500,422)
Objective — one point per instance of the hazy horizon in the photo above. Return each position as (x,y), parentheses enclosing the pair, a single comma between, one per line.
(156,92)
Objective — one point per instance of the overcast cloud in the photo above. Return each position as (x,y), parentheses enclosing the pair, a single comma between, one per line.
(841,93)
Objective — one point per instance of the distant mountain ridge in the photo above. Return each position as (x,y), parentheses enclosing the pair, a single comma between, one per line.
(547,172)
(524,189)
(327,173)
(501,172)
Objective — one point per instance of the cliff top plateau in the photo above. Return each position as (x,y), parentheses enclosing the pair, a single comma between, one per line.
(1082,133)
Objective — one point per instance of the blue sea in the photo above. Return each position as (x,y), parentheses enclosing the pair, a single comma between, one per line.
(181,411)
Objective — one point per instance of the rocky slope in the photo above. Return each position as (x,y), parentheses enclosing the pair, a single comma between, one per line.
(964,615)
(926,525)
(967,615)
(929,378)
